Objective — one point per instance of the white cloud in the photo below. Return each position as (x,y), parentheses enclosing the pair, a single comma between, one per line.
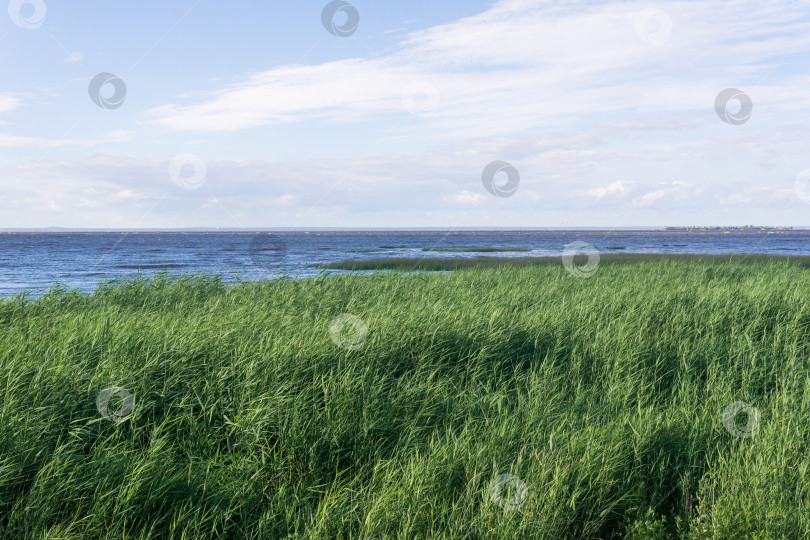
(464,198)
(391,190)
(616,188)
(120,135)
(526,64)
(670,191)
(8,103)
(37,143)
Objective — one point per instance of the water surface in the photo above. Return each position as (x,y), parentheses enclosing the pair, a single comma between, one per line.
(35,261)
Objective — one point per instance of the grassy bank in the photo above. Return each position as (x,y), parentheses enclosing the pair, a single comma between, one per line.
(241,416)
(458,263)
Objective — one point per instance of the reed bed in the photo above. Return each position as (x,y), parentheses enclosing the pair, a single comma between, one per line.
(517,402)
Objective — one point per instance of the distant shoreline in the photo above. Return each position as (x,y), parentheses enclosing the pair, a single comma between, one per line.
(741,228)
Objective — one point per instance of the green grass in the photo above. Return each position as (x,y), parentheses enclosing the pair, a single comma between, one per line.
(606,259)
(604,395)
(474,249)
(451,249)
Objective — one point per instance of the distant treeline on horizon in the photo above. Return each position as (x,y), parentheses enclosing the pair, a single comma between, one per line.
(731,228)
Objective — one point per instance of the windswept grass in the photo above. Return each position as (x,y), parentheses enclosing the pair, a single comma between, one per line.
(603,395)
(458,263)
(475,249)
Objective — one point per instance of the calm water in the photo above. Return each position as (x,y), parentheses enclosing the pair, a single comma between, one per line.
(34,261)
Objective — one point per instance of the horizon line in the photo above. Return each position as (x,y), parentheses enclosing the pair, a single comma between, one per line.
(392,229)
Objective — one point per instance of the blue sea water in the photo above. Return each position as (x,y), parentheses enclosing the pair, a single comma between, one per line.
(35,261)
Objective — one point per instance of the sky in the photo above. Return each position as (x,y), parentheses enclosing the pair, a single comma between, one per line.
(510,113)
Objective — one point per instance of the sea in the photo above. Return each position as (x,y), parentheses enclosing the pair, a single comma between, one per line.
(32,262)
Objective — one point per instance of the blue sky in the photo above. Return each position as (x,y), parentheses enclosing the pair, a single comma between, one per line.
(255,115)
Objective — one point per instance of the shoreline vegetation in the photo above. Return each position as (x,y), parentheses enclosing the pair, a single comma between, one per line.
(659,400)
(606,259)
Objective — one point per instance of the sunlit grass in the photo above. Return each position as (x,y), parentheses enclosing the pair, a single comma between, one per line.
(604,395)
(475,249)
(458,263)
